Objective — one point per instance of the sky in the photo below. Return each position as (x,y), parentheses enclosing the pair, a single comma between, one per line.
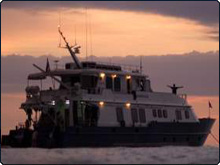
(185,33)
(113,28)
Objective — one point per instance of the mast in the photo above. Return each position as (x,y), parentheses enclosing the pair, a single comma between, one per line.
(72,53)
(141,67)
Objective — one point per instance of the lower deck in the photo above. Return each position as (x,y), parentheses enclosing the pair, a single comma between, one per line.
(156,134)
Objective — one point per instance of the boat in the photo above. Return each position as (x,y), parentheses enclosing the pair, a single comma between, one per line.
(104,105)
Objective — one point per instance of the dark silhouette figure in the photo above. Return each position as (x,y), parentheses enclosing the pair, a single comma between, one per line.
(174,88)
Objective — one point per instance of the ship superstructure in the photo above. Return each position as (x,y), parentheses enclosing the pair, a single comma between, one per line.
(105,105)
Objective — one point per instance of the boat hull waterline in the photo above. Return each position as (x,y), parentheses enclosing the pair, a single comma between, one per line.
(156,134)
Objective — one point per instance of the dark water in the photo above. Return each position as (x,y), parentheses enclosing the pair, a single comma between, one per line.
(155,155)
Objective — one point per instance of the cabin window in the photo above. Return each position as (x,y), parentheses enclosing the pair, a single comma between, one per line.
(187,114)
(159,113)
(154,113)
(108,82)
(70,81)
(128,85)
(165,113)
(178,115)
(89,81)
(142,115)
(141,84)
(134,115)
(117,84)
(119,112)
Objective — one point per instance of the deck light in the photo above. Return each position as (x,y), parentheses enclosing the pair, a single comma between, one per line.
(67,102)
(128,77)
(101,103)
(102,75)
(53,102)
(114,76)
(128,105)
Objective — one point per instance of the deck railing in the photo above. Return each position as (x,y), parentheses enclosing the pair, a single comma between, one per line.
(124,67)
(183,96)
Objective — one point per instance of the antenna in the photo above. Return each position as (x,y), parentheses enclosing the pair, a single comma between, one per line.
(75,34)
(90,31)
(59,26)
(141,68)
(86,33)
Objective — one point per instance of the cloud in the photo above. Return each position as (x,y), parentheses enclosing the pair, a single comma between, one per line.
(197,72)
(205,12)
(213,35)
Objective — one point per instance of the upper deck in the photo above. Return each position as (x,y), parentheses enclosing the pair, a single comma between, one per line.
(89,68)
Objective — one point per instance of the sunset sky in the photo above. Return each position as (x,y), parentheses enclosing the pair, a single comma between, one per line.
(114,28)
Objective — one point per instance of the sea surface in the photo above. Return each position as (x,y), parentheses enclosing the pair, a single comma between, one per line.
(119,155)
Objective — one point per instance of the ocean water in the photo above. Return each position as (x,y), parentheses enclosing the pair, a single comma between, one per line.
(119,155)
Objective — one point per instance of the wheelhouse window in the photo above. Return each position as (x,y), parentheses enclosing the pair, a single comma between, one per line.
(70,80)
(142,115)
(141,84)
(108,82)
(134,115)
(89,81)
(154,112)
(178,115)
(187,114)
(117,84)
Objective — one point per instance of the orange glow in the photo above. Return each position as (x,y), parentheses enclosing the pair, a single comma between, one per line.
(114,33)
